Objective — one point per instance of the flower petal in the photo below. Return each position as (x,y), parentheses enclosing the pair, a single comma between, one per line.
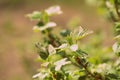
(53,10)
(60,63)
(74,47)
(51,50)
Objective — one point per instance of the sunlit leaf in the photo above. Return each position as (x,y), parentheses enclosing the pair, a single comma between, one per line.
(62,46)
(36,15)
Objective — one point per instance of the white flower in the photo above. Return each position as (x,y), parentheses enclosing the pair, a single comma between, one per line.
(53,10)
(40,76)
(60,63)
(74,47)
(50,24)
(51,50)
(41,28)
(80,33)
(103,67)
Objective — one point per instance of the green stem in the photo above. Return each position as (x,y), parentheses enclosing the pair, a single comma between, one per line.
(86,69)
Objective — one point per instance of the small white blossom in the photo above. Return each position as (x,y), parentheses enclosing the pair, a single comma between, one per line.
(51,50)
(80,32)
(37,75)
(74,47)
(103,67)
(53,10)
(40,76)
(41,28)
(60,63)
(50,24)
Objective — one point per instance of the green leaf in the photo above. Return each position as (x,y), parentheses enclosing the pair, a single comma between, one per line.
(43,54)
(45,17)
(40,24)
(112,76)
(59,76)
(53,58)
(117,28)
(41,50)
(36,15)
(69,40)
(65,33)
(80,52)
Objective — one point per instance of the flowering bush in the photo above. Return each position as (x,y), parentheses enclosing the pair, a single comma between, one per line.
(62,57)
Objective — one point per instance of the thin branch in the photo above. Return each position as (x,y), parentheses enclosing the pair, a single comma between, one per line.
(86,69)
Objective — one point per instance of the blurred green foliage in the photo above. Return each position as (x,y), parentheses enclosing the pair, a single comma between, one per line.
(67,58)
(98,54)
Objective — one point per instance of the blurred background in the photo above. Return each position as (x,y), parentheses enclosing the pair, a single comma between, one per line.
(17,55)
